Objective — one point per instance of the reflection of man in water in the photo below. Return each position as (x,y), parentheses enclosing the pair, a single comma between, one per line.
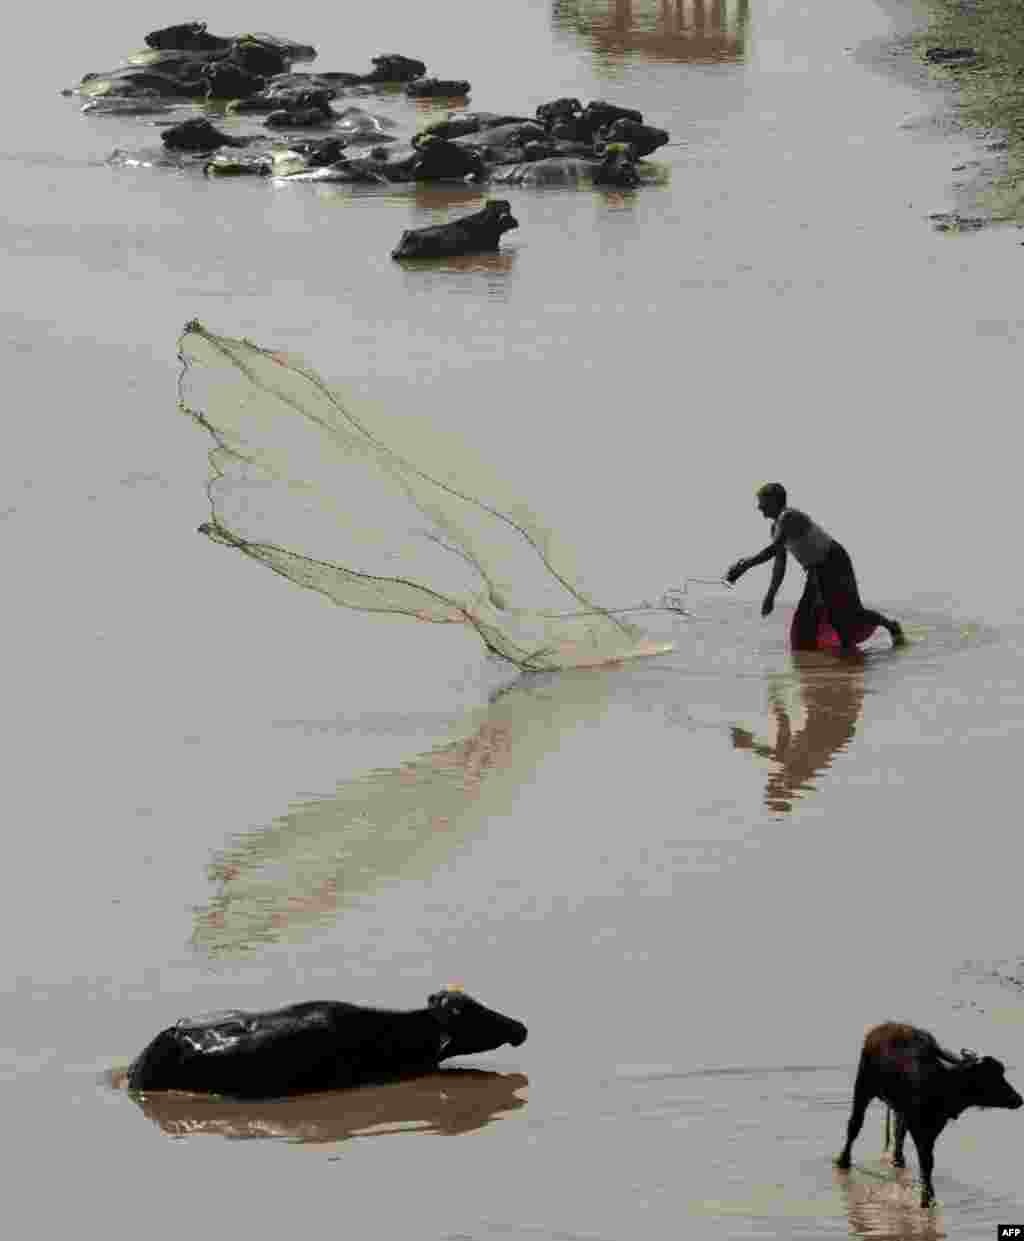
(832,699)
(830,578)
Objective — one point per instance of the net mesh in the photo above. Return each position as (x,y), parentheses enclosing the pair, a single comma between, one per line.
(303,480)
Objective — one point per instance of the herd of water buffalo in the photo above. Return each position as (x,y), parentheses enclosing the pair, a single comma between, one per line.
(307,133)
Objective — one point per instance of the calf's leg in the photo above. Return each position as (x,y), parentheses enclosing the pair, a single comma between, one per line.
(924,1140)
(900,1133)
(862,1096)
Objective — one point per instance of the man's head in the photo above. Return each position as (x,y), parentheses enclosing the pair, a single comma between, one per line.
(771,500)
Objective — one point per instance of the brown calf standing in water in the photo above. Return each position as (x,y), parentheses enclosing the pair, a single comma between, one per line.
(925,1086)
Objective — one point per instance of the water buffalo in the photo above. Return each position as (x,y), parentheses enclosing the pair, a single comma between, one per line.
(642,138)
(259,57)
(311,113)
(559,110)
(472,234)
(618,166)
(392,67)
(114,105)
(239,166)
(308,153)
(224,79)
(291,92)
(387,69)
(436,88)
(360,127)
(436,159)
(188,37)
(458,124)
(926,1086)
(513,135)
(554,172)
(133,81)
(197,134)
(321,1045)
(564,118)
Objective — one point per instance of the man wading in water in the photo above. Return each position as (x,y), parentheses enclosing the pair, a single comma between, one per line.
(831,583)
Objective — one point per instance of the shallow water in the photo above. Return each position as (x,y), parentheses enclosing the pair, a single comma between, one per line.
(697,878)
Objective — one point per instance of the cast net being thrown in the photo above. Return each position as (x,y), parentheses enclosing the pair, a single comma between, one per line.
(303,480)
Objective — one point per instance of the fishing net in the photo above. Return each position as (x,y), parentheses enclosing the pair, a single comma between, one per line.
(304,481)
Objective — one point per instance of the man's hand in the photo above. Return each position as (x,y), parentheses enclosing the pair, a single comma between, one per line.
(736,571)
(768,604)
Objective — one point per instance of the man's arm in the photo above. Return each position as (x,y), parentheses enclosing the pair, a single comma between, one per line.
(778,573)
(772,551)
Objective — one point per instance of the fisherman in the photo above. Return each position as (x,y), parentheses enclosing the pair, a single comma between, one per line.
(831,584)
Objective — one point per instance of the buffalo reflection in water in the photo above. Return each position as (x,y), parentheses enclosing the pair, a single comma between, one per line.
(886,1207)
(447,1102)
(678,31)
(832,691)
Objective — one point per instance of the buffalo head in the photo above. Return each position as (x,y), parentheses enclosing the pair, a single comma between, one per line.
(470,1026)
(497,215)
(986,1086)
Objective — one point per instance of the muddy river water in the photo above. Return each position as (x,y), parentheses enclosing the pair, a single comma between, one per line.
(697,879)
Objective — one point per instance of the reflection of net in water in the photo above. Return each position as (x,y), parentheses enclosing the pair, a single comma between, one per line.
(303,482)
(281,880)
(288,878)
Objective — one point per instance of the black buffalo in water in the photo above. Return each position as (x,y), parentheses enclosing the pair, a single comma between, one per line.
(322,1045)
(198,134)
(388,70)
(618,166)
(437,88)
(434,159)
(187,37)
(644,139)
(194,37)
(569,120)
(458,124)
(926,1087)
(472,234)
(187,62)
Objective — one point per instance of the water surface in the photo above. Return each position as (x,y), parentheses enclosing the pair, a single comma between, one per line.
(697,879)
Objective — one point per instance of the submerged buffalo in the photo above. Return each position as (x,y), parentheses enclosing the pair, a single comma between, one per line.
(644,139)
(437,88)
(198,134)
(472,234)
(436,159)
(186,61)
(458,124)
(312,112)
(308,153)
(390,69)
(194,37)
(618,166)
(568,119)
(322,1045)
(360,127)
(187,37)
